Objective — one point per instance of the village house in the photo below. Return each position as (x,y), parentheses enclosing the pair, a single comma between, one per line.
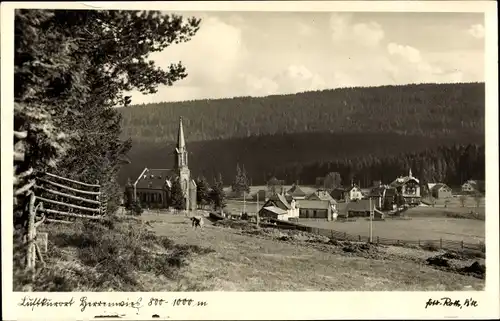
(349,194)
(384,197)
(321,209)
(408,187)
(440,190)
(153,186)
(473,186)
(321,194)
(279,208)
(362,208)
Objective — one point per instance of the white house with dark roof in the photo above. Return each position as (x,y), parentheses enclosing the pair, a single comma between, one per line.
(278,207)
(408,187)
(153,186)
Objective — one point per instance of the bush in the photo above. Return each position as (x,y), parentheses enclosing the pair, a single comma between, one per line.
(429,246)
(108,254)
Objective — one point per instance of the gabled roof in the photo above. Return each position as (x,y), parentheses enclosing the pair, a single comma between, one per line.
(154,178)
(296,191)
(275,210)
(438,186)
(476,184)
(403,180)
(280,198)
(360,206)
(321,195)
(313,204)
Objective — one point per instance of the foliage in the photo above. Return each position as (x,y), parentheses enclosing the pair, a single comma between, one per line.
(202,191)
(424,110)
(108,255)
(128,195)
(462,200)
(274,185)
(178,200)
(72,68)
(332,180)
(240,184)
(217,194)
(136,207)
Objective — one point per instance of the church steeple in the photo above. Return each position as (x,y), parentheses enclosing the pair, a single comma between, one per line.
(181,143)
(181,152)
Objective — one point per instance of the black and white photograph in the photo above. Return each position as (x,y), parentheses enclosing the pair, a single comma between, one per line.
(236,150)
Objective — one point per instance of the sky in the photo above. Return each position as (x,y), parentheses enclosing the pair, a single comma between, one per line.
(266,53)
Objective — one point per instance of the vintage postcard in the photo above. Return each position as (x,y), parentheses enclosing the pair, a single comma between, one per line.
(250,160)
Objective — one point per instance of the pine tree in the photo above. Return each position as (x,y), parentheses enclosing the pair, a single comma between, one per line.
(178,201)
(217,194)
(202,192)
(72,68)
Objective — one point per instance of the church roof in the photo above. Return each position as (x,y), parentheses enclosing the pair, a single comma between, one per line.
(154,178)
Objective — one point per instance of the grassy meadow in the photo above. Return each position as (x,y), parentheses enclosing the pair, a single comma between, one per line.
(161,252)
(418,228)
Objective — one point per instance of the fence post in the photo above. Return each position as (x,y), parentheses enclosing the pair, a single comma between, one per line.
(418,242)
(377,240)
(345,235)
(332,234)
(440,243)
(359,238)
(462,244)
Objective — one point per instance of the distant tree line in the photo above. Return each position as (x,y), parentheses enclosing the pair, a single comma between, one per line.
(452,165)
(430,110)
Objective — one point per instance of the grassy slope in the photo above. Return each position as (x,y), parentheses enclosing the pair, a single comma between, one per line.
(248,263)
(128,256)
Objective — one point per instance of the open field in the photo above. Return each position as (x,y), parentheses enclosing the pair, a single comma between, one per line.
(418,228)
(161,252)
(248,263)
(446,212)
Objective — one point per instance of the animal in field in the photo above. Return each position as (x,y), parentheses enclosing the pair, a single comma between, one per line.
(197,221)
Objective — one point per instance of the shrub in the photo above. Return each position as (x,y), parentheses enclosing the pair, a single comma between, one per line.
(429,246)
(109,254)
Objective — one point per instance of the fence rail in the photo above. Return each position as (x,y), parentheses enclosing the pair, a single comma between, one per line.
(62,202)
(441,243)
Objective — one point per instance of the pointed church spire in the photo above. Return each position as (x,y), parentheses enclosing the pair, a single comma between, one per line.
(181,143)
(410,174)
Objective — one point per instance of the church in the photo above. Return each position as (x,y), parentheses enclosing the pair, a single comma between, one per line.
(153,186)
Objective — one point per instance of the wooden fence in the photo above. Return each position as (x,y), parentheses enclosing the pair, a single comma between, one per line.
(64,200)
(438,244)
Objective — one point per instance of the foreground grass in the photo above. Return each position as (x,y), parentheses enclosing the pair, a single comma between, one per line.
(163,253)
(114,255)
(245,262)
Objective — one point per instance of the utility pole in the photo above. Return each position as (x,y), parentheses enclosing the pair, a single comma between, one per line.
(257,210)
(244,202)
(371,221)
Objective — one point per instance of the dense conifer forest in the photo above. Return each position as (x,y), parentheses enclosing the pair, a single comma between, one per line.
(363,133)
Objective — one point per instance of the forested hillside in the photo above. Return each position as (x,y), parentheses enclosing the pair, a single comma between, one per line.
(301,157)
(426,110)
(364,133)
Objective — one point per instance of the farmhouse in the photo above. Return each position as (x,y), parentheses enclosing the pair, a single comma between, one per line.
(322,195)
(408,187)
(384,197)
(473,186)
(278,207)
(348,194)
(360,208)
(153,186)
(440,190)
(316,209)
